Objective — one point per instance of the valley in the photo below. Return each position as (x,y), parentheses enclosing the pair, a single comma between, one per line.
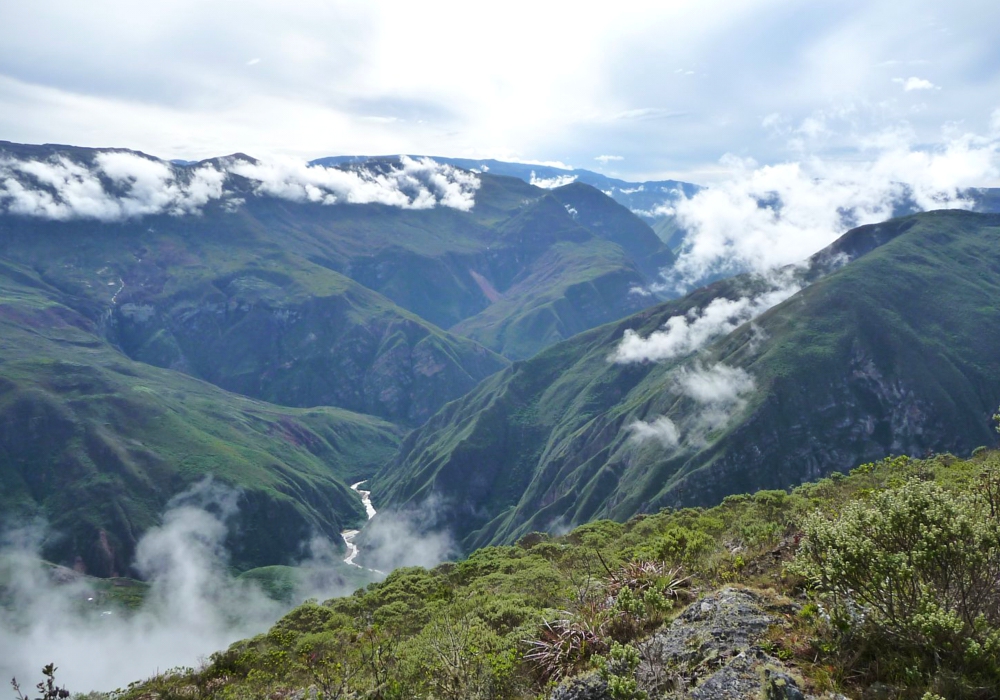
(502,366)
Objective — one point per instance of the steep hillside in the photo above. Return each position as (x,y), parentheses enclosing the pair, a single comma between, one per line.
(258,238)
(584,272)
(895,352)
(723,602)
(97,444)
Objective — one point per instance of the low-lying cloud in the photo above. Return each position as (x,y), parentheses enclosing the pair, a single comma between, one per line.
(414,184)
(550,183)
(718,393)
(193,606)
(768,216)
(683,335)
(718,384)
(406,538)
(119,185)
(661,429)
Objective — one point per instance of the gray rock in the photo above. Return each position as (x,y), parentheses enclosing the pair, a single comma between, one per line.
(711,651)
(589,687)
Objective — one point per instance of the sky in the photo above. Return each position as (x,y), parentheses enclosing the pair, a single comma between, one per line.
(688,90)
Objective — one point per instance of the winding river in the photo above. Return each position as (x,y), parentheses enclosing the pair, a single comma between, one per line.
(349,535)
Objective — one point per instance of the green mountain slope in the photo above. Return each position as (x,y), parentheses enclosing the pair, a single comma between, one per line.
(252,249)
(895,352)
(586,253)
(709,601)
(223,299)
(97,444)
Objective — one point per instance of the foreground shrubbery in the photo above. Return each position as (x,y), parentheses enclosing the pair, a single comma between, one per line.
(915,569)
(896,565)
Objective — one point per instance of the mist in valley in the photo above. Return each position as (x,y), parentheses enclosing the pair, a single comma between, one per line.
(194,604)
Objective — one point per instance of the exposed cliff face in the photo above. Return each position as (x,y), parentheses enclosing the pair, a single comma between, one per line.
(894,352)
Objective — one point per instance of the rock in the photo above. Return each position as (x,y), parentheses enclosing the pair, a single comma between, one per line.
(701,639)
(711,652)
(780,686)
(588,687)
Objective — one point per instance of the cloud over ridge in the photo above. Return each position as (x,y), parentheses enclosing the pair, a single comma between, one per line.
(685,334)
(766,216)
(121,185)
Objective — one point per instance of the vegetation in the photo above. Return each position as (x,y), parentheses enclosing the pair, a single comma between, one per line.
(513,621)
(47,689)
(98,444)
(896,352)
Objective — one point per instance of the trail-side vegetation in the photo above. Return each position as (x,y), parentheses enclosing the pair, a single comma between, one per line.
(894,569)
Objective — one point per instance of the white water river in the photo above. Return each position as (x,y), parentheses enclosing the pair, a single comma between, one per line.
(349,535)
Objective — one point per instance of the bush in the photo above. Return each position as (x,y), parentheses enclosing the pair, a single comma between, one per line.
(915,569)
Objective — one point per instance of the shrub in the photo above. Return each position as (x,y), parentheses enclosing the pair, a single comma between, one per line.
(917,568)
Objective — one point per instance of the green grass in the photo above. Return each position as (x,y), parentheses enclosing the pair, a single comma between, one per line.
(895,352)
(465,629)
(98,444)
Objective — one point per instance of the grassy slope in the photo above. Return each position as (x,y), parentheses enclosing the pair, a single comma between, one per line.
(424,261)
(98,443)
(464,628)
(896,352)
(225,299)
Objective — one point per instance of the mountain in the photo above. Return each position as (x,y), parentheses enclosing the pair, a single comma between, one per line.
(893,352)
(97,444)
(641,198)
(273,326)
(274,228)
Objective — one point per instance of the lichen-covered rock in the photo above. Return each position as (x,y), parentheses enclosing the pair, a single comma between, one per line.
(711,651)
(588,687)
(709,635)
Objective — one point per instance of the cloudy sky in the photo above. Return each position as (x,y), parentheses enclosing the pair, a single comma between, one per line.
(640,90)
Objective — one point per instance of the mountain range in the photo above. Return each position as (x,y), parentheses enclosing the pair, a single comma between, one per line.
(452,331)
(164,322)
(885,343)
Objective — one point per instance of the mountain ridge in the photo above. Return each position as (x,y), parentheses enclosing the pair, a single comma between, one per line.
(562,433)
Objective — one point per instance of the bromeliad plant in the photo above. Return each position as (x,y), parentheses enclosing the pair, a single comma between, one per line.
(629,602)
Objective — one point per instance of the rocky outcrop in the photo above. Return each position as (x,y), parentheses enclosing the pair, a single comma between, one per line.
(711,651)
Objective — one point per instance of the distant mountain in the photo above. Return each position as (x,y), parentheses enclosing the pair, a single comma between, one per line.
(645,199)
(97,443)
(895,352)
(272,325)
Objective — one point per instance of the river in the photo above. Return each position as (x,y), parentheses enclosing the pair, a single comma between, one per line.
(349,535)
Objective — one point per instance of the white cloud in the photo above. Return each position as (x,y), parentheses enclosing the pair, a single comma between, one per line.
(192,608)
(661,429)
(720,393)
(62,189)
(121,185)
(912,83)
(608,159)
(719,384)
(683,335)
(415,184)
(772,215)
(550,183)
(253,61)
